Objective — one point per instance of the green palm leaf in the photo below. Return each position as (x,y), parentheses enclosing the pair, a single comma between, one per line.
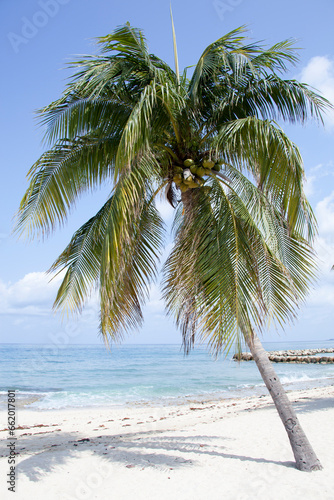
(82,260)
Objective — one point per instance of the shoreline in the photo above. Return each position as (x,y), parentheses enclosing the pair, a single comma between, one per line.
(24,402)
(150,376)
(194,450)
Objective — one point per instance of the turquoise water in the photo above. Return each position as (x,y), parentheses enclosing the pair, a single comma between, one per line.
(51,377)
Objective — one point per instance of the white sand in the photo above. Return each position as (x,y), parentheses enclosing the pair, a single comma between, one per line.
(234,450)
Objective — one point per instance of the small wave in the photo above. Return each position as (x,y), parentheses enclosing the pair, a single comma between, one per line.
(302,377)
(28,390)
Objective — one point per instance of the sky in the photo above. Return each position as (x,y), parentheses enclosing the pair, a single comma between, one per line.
(38,39)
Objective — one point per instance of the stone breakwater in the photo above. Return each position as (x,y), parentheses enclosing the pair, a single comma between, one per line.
(298,356)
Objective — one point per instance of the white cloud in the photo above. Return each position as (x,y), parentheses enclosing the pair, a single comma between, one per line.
(323,170)
(325,252)
(31,295)
(309,185)
(318,178)
(319,73)
(324,211)
(318,167)
(323,294)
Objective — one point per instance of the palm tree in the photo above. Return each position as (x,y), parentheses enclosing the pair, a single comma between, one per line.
(243,228)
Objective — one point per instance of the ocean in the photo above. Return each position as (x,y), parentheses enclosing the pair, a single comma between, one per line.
(54,377)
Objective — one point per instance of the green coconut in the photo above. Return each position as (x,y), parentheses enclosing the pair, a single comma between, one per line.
(216,167)
(208,164)
(178,170)
(188,162)
(188,181)
(177,178)
(193,169)
(200,171)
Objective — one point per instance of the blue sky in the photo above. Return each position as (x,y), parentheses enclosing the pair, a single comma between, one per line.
(39,37)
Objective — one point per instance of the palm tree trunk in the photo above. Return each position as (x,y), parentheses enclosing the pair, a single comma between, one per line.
(306,459)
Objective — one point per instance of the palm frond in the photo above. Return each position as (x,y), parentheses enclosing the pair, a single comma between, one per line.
(77,116)
(125,40)
(276,164)
(57,180)
(81,259)
(176,59)
(130,251)
(224,272)
(271,98)
(221,57)
(277,56)
(116,251)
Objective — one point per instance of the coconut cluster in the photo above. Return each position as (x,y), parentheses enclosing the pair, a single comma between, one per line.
(190,176)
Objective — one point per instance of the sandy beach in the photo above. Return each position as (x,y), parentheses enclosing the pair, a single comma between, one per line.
(228,449)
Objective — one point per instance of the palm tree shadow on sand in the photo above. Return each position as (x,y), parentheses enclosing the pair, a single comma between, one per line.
(139,449)
(311,405)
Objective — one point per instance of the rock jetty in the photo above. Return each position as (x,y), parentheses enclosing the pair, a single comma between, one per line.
(289,356)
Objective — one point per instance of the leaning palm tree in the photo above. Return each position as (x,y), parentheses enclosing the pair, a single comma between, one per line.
(243,229)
